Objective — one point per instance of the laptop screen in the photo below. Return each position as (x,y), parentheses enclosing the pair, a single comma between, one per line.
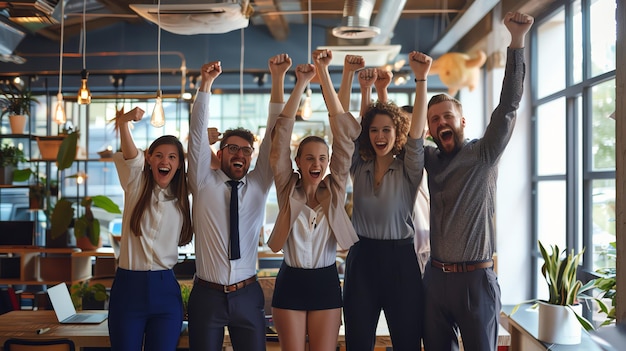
(17,233)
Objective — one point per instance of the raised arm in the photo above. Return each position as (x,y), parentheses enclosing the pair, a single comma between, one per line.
(278,65)
(280,153)
(383,79)
(210,71)
(129,149)
(367,77)
(420,65)
(518,25)
(199,150)
(321,59)
(351,64)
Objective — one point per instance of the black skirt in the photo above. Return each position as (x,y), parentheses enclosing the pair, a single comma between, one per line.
(307,289)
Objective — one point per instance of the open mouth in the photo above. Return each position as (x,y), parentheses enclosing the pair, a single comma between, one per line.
(446,135)
(238,164)
(315,174)
(164,171)
(381,145)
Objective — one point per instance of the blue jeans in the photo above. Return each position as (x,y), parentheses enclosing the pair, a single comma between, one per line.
(145,305)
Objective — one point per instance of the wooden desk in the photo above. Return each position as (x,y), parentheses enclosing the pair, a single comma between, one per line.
(524,329)
(23,324)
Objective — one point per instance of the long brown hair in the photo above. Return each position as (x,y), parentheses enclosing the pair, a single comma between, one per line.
(178,186)
(400,120)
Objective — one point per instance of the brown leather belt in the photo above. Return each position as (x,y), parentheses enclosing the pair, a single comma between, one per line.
(226,288)
(460,266)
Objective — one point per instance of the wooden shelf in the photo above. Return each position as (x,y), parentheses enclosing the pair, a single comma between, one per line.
(44,266)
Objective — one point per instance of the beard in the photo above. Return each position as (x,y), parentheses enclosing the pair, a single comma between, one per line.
(457,136)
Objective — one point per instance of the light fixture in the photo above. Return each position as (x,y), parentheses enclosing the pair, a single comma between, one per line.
(84,95)
(307,111)
(158,115)
(59,110)
(305,107)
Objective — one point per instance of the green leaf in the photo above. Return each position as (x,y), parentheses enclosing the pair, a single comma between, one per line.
(106,204)
(21,175)
(61,218)
(67,151)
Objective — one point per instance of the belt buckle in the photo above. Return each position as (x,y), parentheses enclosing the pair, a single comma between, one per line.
(447,270)
(227,289)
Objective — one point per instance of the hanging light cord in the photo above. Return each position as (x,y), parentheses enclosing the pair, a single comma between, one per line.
(61,55)
(309,30)
(159,45)
(241,61)
(84,33)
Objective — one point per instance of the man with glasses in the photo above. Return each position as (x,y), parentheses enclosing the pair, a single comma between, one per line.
(227,217)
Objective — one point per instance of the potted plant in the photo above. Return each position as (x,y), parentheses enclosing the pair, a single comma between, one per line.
(560,317)
(16,104)
(86,296)
(86,227)
(606,285)
(10,157)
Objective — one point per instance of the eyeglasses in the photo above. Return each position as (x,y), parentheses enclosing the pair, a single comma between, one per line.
(234,149)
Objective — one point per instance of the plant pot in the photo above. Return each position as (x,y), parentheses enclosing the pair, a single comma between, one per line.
(49,146)
(66,239)
(85,244)
(6,175)
(558,324)
(17,122)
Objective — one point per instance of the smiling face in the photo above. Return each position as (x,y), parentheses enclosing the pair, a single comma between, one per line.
(234,165)
(312,161)
(164,161)
(446,125)
(382,133)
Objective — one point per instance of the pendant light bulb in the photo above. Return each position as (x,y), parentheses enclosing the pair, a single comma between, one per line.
(158,115)
(84,95)
(59,110)
(307,111)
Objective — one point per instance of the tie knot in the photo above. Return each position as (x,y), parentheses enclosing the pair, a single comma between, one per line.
(234,183)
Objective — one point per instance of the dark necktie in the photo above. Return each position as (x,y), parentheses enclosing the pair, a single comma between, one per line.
(234,220)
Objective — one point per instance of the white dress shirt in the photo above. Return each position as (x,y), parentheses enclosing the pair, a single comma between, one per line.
(311,243)
(161,223)
(211,199)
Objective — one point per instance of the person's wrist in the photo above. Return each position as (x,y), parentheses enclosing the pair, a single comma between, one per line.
(420,80)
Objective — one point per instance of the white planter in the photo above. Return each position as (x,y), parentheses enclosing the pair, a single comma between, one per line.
(18,122)
(558,324)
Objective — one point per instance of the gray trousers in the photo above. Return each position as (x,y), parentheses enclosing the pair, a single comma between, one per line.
(466,303)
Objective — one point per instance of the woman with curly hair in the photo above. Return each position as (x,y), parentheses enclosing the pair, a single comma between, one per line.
(382,271)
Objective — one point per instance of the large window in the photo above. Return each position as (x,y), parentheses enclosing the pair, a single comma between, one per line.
(574,138)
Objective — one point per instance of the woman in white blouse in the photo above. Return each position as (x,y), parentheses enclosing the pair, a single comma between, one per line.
(145,308)
(312,220)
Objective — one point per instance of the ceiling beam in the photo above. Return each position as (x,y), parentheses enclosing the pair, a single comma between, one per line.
(462,24)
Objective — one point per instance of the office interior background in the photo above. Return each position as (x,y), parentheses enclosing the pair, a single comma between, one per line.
(557,180)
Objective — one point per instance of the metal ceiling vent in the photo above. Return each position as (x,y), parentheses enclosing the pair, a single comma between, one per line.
(190,17)
(355,23)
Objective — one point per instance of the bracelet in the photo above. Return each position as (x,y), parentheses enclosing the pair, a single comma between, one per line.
(419,80)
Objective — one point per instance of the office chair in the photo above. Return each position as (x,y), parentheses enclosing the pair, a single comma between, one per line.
(39,345)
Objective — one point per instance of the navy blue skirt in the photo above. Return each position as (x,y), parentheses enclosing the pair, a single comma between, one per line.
(307,289)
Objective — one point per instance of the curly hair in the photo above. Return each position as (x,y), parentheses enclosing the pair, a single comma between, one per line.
(401,121)
(240,132)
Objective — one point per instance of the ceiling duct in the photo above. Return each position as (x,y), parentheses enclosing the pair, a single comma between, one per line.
(10,37)
(374,55)
(355,23)
(198,17)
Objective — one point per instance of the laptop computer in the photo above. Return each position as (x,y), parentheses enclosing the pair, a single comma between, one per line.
(65,311)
